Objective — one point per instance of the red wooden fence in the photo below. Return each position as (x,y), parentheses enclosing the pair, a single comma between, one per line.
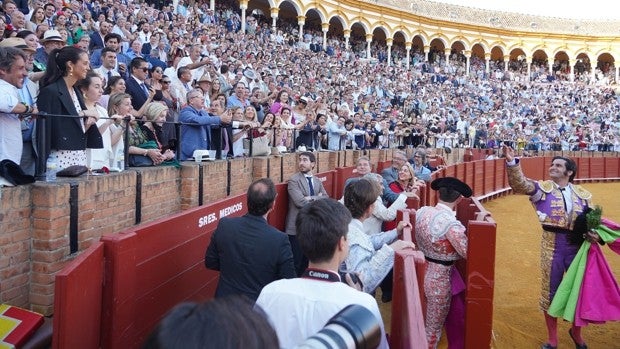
(151,267)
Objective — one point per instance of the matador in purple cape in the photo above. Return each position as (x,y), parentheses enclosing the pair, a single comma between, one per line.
(557,203)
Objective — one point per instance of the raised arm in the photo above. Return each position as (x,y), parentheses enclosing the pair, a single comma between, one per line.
(516,178)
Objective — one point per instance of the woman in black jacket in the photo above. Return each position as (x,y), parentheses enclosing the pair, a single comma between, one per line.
(66,137)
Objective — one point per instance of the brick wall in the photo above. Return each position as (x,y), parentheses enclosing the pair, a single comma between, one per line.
(15,240)
(35,219)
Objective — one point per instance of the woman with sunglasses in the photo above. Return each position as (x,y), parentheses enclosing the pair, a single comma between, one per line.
(155,77)
(172,103)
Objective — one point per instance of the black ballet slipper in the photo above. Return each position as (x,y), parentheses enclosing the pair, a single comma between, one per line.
(577,345)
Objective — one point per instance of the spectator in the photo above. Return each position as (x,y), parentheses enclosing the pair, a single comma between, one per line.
(390,174)
(362,168)
(302,188)
(372,256)
(37,18)
(298,308)
(97,39)
(247,251)
(113,42)
(194,62)
(196,133)
(421,171)
(154,117)
(68,136)
(310,135)
(12,75)
(182,85)
(52,40)
(336,134)
(381,213)
(28,96)
(108,67)
(238,99)
(114,86)
(141,93)
(223,323)
(109,127)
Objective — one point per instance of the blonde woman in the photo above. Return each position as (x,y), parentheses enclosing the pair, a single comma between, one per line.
(155,116)
(120,104)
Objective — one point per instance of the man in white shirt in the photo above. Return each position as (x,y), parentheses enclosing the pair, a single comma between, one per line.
(299,308)
(193,62)
(107,69)
(12,74)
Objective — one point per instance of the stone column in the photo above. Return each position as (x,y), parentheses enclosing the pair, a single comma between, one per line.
(506,61)
(408,48)
(446,52)
(274,17)
(528,60)
(301,20)
(212,5)
(389,42)
(347,36)
(244,6)
(325,28)
(487,63)
(571,75)
(550,67)
(427,49)
(368,41)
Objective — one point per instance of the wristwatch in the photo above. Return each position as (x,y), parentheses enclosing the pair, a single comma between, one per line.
(28,108)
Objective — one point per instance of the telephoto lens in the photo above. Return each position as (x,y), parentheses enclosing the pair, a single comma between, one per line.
(354,327)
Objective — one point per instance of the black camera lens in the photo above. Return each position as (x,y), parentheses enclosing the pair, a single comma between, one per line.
(354,327)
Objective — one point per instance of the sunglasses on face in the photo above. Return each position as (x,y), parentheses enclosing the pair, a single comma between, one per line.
(165,82)
(145,69)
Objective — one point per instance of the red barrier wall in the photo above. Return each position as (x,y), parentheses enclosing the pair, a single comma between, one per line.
(342,174)
(151,267)
(381,165)
(77,308)
(277,217)
(479,273)
(408,329)
(156,266)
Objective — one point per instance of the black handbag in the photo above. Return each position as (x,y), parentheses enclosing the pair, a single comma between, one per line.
(140,161)
(72,171)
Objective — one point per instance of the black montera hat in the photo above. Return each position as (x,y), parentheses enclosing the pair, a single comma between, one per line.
(452,183)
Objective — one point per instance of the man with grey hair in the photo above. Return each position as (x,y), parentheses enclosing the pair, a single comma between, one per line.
(399,158)
(196,130)
(12,74)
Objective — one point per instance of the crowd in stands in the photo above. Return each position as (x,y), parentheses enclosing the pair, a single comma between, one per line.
(225,87)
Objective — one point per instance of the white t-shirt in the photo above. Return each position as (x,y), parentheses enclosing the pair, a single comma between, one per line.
(299,308)
(196,73)
(10,125)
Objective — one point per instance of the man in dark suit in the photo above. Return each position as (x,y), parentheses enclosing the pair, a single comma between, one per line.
(136,86)
(303,188)
(97,39)
(248,252)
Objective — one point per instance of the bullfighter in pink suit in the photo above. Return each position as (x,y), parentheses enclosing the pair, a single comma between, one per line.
(441,237)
